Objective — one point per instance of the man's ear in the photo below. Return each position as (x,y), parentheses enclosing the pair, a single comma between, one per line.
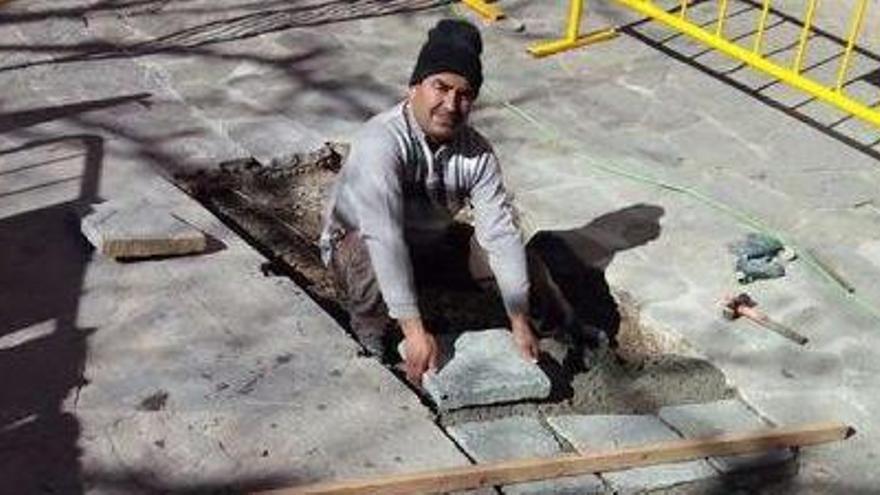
(412,91)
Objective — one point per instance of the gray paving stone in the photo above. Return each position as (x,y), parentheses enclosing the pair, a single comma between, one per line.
(591,433)
(520,437)
(792,407)
(140,229)
(483,367)
(571,485)
(727,416)
(271,137)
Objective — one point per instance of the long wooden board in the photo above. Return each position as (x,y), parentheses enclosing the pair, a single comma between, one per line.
(503,473)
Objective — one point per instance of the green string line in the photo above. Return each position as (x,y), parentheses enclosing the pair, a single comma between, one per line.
(740,216)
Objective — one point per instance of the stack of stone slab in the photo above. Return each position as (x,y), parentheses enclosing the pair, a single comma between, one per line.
(525,437)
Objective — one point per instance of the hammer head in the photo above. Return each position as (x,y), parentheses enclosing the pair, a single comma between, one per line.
(731,305)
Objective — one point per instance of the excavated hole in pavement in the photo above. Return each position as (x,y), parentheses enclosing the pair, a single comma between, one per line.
(277,208)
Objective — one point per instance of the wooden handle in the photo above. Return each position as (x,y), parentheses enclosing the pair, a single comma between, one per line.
(762,320)
(517,471)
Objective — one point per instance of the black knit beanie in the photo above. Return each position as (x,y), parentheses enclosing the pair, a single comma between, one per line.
(452,46)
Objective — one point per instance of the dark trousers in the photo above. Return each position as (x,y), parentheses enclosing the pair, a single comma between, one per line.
(446,263)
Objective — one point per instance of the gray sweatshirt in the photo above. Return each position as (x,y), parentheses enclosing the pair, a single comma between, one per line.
(394,191)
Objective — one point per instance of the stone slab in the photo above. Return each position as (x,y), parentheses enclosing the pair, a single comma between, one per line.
(600,432)
(483,367)
(727,416)
(270,137)
(857,454)
(520,437)
(140,229)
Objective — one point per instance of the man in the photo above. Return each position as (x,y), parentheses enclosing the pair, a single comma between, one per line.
(410,169)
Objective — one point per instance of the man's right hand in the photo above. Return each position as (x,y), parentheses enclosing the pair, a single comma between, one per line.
(421,349)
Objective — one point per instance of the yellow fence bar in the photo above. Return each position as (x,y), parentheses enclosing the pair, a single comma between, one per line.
(762,25)
(805,36)
(485,10)
(722,14)
(572,38)
(752,56)
(850,43)
(575,10)
(788,76)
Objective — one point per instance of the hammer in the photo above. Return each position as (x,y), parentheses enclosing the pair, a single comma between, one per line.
(744,305)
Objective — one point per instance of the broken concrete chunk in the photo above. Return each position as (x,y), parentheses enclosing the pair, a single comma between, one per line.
(483,367)
(726,416)
(520,437)
(599,432)
(140,229)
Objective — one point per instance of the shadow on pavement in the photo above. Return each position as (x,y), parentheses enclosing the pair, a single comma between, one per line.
(203,32)
(576,260)
(182,31)
(133,482)
(42,349)
(18,120)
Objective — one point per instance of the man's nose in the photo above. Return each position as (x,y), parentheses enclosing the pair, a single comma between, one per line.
(450,102)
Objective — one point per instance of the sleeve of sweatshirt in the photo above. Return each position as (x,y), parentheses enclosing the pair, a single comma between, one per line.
(375,184)
(498,234)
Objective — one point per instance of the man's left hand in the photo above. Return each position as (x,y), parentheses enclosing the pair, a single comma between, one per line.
(524,337)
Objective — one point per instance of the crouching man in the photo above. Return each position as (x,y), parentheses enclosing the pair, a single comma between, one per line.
(409,171)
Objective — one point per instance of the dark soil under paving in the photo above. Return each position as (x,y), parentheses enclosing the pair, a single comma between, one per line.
(278,209)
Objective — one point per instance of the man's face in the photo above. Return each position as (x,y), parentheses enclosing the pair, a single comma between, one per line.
(441,104)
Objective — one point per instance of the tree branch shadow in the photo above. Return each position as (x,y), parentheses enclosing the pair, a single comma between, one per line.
(214,32)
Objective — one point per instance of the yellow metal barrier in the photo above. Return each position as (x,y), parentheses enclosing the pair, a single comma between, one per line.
(572,38)
(805,35)
(850,42)
(762,25)
(754,57)
(487,11)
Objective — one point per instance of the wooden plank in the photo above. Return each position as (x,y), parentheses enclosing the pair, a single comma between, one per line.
(504,473)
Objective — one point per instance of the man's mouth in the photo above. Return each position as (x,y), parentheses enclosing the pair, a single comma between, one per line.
(446,120)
